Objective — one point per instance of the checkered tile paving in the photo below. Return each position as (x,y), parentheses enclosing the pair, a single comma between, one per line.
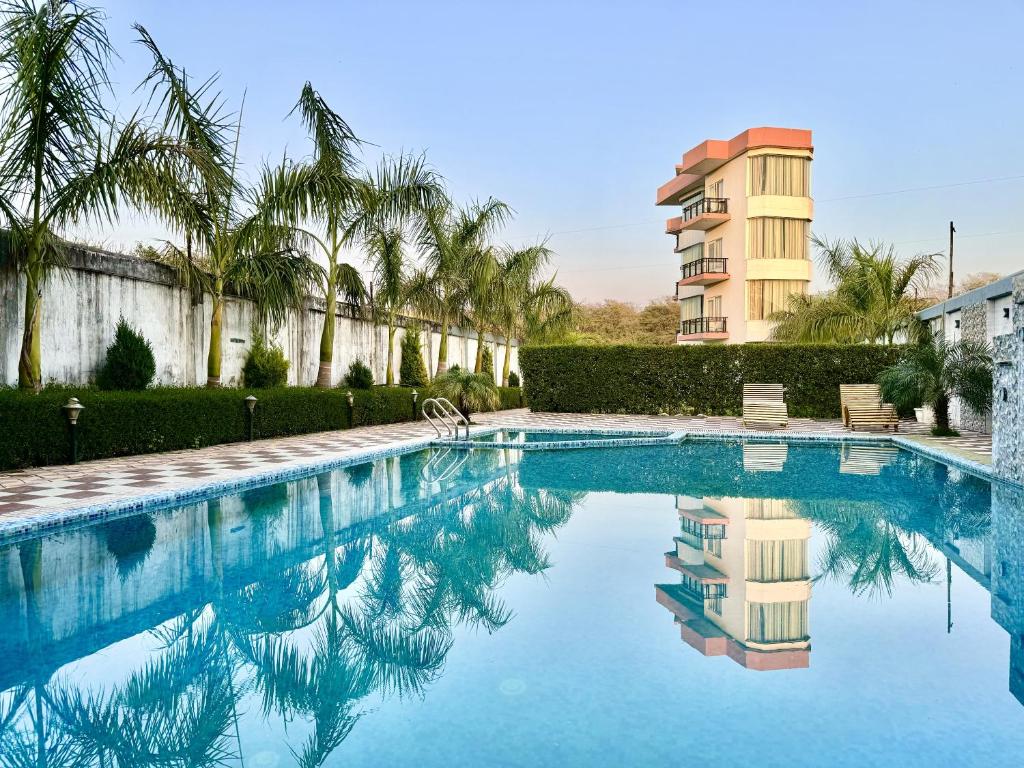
(26,493)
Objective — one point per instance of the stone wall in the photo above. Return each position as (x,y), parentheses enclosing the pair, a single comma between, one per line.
(81,307)
(973,326)
(1008,405)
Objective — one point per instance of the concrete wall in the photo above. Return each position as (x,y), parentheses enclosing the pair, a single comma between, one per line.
(81,307)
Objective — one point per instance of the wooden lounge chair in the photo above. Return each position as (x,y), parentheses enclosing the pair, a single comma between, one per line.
(764,406)
(764,457)
(866,459)
(862,406)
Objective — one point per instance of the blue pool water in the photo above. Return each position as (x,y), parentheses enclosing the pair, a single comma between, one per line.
(704,603)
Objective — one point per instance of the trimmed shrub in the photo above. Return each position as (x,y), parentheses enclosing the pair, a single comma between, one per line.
(412,372)
(702,379)
(359,376)
(35,429)
(129,363)
(513,379)
(488,362)
(511,397)
(265,366)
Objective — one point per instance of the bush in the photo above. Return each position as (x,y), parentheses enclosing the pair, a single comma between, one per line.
(265,366)
(129,363)
(412,372)
(707,379)
(511,397)
(513,379)
(487,367)
(35,430)
(359,376)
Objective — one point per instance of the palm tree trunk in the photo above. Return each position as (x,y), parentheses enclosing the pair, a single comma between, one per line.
(390,376)
(325,374)
(29,368)
(506,368)
(216,321)
(479,367)
(442,350)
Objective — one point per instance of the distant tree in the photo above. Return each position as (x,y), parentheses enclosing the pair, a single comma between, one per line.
(619,322)
(487,361)
(359,376)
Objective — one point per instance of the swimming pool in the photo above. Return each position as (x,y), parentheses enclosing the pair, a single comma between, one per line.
(708,602)
(541,439)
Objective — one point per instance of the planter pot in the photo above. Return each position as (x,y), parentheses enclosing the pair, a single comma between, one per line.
(925,415)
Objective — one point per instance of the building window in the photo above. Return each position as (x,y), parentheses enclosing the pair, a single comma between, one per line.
(1006,313)
(772,238)
(777,622)
(771,561)
(717,189)
(780,175)
(956,323)
(690,309)
(767,296)
(714,306)
(714,249)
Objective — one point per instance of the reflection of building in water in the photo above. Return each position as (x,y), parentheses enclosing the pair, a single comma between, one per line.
(1008,575)
(745,585)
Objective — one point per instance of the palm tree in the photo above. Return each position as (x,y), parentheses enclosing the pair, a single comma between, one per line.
(453,241)
(934,372)
(246,238)
(345,205)
(469,391)
(523,304)
(874,299)
(391,287)
(63,158)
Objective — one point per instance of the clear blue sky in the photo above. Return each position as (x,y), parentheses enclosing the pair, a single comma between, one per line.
(575,112)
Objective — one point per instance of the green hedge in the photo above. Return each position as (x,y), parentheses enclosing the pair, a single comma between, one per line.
(707,378)
(511,397)
(34,430)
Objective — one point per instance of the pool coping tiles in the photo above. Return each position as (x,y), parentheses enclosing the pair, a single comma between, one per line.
(120,476)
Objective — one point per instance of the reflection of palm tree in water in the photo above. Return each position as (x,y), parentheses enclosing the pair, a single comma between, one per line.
(373,615)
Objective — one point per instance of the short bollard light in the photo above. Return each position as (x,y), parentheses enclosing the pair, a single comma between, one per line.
(351,408)
(72,410)
(250,403)
(415,397)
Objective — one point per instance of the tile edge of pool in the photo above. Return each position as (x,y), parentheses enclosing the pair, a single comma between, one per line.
(48,522)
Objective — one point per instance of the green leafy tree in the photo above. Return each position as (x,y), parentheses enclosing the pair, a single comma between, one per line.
(412,371)
(129,363)
(487,364)
(64,159)
(932,373)
(875,299)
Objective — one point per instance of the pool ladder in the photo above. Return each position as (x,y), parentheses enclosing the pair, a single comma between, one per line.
(440,412)
(443,464)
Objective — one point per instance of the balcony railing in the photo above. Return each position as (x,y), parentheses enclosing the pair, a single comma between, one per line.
(705,205)
(703,267)
(702,325)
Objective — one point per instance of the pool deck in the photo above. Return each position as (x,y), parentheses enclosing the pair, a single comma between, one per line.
(48,497)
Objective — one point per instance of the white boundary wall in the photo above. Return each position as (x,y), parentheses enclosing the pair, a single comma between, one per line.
(81,307)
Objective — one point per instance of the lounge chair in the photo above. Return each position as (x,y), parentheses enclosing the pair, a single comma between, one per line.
(764,406)
(866,459)
(862,406)
(764,457)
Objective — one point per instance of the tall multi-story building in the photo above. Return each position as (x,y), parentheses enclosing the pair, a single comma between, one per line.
(743,233)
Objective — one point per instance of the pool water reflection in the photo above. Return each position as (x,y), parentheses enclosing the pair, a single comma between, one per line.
(514,613)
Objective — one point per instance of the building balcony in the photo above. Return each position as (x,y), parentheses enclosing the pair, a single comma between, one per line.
(703,272)
(703,329)
(702,214)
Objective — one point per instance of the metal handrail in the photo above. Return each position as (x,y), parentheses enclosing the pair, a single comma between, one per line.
(703,325)
(706,205)
(435,462)
(440,409)
(703,266)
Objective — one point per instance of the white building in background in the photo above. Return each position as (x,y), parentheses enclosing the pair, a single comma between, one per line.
(981,315)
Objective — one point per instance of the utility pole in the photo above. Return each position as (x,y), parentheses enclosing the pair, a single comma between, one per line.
(952,229)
